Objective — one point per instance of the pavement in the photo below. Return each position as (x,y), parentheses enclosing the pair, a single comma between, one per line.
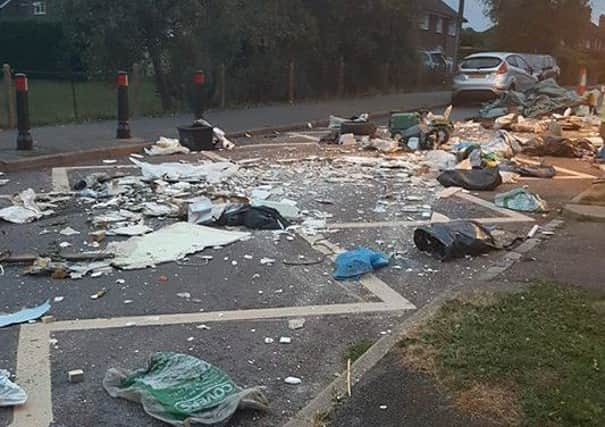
(242,303)
(98,137)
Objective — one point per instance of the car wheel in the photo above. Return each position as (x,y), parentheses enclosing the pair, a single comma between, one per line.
(358,128)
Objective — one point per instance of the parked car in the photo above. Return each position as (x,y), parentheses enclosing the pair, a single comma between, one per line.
(545,66)
(434,60)
(489,74)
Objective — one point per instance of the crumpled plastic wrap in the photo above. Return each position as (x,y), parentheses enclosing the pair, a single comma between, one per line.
(181,390)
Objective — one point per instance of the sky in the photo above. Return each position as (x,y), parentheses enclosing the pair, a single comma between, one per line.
(474,12)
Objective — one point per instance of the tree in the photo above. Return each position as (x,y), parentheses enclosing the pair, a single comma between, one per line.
(255,40)
(538,25)
(115,34)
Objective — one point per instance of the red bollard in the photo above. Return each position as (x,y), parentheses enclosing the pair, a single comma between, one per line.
(123,113)
(199,78)
(24,136)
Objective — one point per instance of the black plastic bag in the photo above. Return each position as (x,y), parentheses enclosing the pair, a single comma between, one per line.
(537,171)
(454,240)
(253,217)
(527,171)
(487,179)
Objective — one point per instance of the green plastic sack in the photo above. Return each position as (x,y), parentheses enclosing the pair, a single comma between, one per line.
(182,390)
(522,200)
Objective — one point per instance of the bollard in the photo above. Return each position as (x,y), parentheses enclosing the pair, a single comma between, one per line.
(198,94)
(24,136)
(581,89)
(123,114)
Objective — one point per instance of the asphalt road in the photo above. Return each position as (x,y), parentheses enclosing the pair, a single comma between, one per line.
(234,281)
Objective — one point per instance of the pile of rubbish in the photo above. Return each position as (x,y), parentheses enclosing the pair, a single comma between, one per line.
(406,132)
(544,98)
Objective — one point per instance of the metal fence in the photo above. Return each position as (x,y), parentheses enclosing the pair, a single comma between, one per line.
(71,97)
(75,97)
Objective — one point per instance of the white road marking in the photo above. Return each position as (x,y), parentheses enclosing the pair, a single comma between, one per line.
(303,136)
(60,180)
(232,315)
(33,373)
(276,145)
(213,156)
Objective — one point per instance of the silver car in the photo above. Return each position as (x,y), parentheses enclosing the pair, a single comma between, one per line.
(491,73)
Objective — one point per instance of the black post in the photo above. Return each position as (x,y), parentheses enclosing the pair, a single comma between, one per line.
(123,114)
(24,137)
(198,95)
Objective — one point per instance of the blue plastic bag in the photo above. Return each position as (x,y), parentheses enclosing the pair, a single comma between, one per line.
(353,264)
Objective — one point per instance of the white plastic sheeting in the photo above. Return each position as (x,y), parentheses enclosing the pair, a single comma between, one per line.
(166,146)
(24,209)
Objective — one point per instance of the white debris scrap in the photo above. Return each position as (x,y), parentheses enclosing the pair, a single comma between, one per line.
(220,135)
(296,324)
(68,231)
(24,209)
(165,147)
(293,381)
(212,172)
(170,243)
(131,230)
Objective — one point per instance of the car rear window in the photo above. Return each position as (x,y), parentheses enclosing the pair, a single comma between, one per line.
(438,58)
(481,63)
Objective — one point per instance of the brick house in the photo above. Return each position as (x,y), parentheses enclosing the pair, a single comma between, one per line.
(34,9)
(436,27)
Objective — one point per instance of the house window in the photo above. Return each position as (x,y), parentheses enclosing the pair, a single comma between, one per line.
(439,29)
(452,30)
(424,22)
(39,7)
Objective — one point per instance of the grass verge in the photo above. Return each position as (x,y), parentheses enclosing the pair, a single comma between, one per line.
(355,350)
(530,358)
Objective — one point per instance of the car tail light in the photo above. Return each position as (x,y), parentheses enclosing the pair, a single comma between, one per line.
(502,69)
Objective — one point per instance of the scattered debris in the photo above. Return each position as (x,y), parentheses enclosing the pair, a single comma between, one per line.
(184,390)
(99,294)
(293,381)
(48,319)
(75,376)
(295,324)
(165,147)
(68,231)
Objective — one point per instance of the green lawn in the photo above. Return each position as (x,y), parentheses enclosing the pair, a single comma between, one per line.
(52,101)
(533,358)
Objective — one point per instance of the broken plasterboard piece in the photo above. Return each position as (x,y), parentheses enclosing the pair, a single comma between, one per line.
(170,243)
